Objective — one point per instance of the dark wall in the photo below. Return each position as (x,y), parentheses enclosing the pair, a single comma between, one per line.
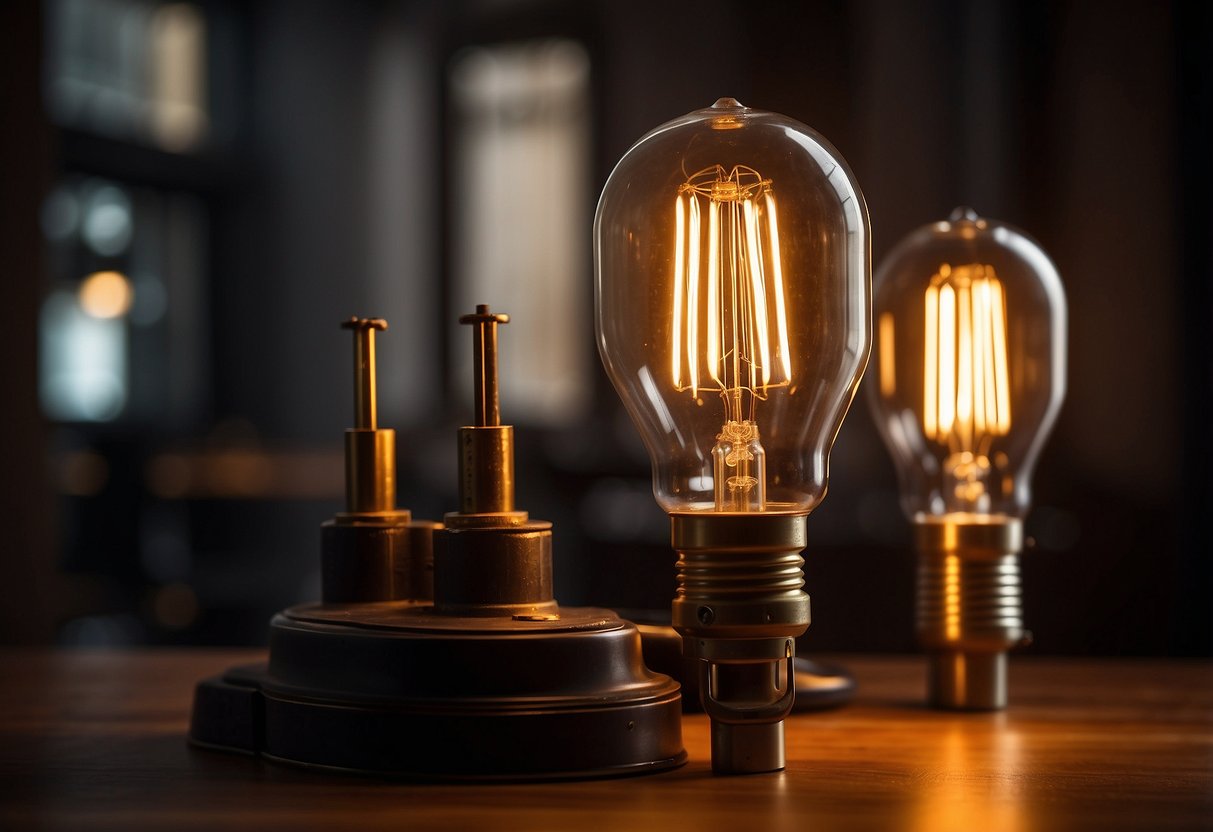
(26,553)
(1086,124)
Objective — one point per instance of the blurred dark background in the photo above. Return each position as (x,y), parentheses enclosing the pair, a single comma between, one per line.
(194,194)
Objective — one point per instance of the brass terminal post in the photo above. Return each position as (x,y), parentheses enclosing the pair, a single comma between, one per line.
(486,448)
(484,358)
(494,560)
(365,412)
(372,551)
(370,453)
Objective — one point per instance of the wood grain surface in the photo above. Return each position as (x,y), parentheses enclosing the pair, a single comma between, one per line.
(96,740)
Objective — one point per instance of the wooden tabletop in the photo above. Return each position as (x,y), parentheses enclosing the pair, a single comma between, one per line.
(96,740)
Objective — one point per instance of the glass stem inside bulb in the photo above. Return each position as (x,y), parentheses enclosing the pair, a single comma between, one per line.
(738,460)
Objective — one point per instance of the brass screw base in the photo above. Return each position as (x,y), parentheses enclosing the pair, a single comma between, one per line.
(968,613)
(739,607)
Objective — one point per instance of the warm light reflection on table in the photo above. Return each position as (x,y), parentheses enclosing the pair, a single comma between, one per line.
(977,783)
(96,740)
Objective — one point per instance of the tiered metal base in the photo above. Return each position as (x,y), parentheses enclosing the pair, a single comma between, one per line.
(394,689)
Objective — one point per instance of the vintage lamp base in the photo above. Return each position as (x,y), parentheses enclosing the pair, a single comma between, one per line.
(393,689)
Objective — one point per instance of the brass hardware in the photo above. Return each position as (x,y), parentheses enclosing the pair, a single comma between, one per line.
(486,448)
(484,358)
(491,560)
(739,607)
(490,572)
(365,415)
(370,472)
(486,471)
(370,453)
(491,681)
(968,610)
(365,550)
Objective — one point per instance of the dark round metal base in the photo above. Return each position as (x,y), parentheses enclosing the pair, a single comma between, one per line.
(394,689)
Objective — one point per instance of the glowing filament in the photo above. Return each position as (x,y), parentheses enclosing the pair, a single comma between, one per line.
(966,392)
(729,331)
(888,371)
(730,326)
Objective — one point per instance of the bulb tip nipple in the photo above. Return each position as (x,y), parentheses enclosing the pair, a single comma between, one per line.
(728,103)
(964,213)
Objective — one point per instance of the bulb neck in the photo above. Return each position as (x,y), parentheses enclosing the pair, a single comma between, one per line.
(739,606)
(968,612)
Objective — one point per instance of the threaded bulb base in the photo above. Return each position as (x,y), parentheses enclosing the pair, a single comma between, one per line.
(969,610)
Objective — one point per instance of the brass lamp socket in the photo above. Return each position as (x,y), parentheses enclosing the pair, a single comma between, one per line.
(968,610)
(739,607)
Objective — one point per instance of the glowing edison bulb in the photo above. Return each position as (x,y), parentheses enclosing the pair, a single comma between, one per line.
(733,306)
(736,333)
(966,399)
(730,322)
(971,374)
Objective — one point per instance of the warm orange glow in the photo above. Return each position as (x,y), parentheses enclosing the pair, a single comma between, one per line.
(972,780)
(680,245)
(951,599)
(713,293)
(888,376)
(930,379)
(966,391)
(106,295)
(693,297)
(781,314)
(730,325)
(946,351)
